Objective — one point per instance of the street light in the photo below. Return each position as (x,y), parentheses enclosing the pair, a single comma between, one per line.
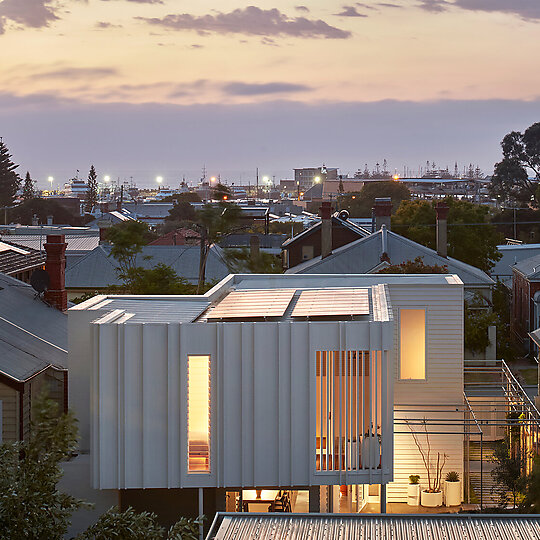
(107,178)
(213,179)
(51,180)
(317,179)
(159,179)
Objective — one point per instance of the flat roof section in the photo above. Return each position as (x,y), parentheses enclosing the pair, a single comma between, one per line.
(332,302)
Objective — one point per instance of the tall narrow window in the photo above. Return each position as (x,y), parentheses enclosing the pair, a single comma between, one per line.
(412,362)
(199,414)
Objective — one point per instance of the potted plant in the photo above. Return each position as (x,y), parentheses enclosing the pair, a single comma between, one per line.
(413,490)
(432,496)
(452,487)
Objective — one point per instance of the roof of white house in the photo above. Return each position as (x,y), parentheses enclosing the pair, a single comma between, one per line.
(363,256)
(395,527)
(33,335)
(198,308)
(98,270)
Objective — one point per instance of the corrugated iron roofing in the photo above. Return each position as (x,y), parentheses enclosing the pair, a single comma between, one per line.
(365,527)
(19,258)
(84,242)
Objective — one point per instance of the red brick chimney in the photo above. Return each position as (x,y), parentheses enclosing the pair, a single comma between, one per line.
(382,210)
(56,294)
(442,210)
(325,211)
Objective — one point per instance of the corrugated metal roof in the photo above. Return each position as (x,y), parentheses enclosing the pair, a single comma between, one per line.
(156,309)
(529,267)
(366,527)
(84,242)
(14,258)
(316,303)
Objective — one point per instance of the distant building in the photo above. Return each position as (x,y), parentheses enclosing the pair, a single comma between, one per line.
(307,176)
(18,261)
(178,237)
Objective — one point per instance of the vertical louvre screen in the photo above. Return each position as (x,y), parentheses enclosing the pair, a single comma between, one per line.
(199,414)
(348,414)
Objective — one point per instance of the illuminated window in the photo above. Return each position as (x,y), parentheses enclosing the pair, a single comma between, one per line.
(199,414)
(412,361)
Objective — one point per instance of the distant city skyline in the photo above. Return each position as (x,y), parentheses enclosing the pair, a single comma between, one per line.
(280,86)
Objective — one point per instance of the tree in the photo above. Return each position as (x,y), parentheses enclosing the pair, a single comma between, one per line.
(240,261)
(361,203)
(414,267)
(30,504)
(477,318)
(471,236)
(9,179)
(221,192)
(161,279)
(521,156)
(31,507)
(182,211)
(42,208)
(28,191)
(215,221)
(127,240)
(91,198)
(187,196)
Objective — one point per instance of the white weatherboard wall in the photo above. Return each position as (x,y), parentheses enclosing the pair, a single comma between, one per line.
(443,384)
(262,401)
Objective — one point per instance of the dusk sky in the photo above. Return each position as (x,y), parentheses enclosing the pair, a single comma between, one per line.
(162,87)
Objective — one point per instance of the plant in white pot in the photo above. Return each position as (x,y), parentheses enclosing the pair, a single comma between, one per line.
(432,496)
(452,488)
(413,490)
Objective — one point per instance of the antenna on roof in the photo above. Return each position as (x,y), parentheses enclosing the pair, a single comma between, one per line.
(40,280)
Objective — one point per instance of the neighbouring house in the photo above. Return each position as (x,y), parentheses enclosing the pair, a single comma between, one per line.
(525,299)
(19,261)
(98,269)
(333,231)
(33,346)
(511,255)
(178,237)
(309,384)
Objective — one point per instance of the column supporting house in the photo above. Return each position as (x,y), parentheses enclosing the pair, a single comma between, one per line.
(201,513)
(383,498)
(314,499)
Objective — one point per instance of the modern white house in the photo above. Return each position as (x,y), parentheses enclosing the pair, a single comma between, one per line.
(270,382)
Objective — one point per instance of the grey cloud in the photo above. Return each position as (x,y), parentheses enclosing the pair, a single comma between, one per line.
(141,1)
(526,9)
(305,9)
(260,89)
(251,21)
(350,11)
(76,73)
(386,5)
(29,13)
(104,25)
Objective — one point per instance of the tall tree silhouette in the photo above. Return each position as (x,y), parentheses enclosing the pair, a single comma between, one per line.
(91,191)
(9,179)
(28,191)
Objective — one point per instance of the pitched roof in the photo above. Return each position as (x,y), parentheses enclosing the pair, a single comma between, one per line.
(363,256)
(83,242)
(17,258)
(33,335)
(169,238)
(529,267)
(98,270)
(336,220)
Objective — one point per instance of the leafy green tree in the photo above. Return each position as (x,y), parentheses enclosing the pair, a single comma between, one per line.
(24,212)
(9,179)
(221,192)
(471,236)
(31,506)
(215,221)
(91,197)
(414,267)
(531,501)
(127,240)
(187,196)
(521,156)
(160,279)
(182,211)
(240,261)
(360,204)
(509,473)
(28,191)
(477,318)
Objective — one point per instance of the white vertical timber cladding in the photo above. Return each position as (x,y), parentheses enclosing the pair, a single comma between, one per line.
(154,375)
(265,404)
(443,384)
(248,416)
(108,405)
(200,339)
(133,406)
(174,406)
(231,414)
(93,412)
(120,354)
(302,408)
(285,448)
